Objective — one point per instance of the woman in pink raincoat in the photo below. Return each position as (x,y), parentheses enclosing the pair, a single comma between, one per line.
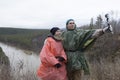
(53,58)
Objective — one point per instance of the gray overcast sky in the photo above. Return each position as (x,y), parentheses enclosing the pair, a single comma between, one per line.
(49,13)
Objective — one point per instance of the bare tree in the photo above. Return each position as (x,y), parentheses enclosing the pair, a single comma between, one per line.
(99,22)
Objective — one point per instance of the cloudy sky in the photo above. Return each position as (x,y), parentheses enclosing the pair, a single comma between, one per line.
(50,13)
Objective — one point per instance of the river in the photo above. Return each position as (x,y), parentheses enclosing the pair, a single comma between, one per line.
(20,62)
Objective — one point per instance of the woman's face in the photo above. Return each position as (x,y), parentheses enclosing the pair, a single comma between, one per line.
(58,32)
(71,25)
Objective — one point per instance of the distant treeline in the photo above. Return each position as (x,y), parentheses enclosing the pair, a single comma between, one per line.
(30,39)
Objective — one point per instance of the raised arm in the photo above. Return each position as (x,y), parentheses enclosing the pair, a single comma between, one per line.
(100,32)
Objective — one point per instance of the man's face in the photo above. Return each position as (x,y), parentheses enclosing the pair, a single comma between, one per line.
(71,25)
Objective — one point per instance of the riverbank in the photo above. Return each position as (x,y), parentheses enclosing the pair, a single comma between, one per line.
(3,58)
(17,46)
(4,66)
(21,64)
(27,39)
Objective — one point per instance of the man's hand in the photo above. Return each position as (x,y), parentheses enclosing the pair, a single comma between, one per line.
(61,59)
(58,65)
(108,29)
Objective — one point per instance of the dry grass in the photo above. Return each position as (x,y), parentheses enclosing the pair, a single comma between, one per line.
(99,71)
(7,73)
(105,70)
(104,58)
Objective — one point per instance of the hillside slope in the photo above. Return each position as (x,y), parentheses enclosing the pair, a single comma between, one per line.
(30,39)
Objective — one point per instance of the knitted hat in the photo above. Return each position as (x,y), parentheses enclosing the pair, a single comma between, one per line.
(53,30)
(69,21)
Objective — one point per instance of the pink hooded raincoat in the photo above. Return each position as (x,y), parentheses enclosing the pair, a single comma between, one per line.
(48,54)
